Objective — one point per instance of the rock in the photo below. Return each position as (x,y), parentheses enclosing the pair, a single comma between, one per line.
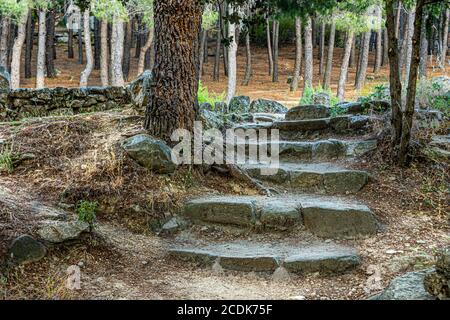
(321,98)
(239,104)
(206,106)
(308,112)
(4,79)
(345,181)
(409,286)
(280,215)
(409,263)
(140,88)
(329,149)
(267,106)
(443,262)
(211,119)
(63,231)
(172,226)
(221,107)
(281,275)
(150,153)
(25,249)
(437,285)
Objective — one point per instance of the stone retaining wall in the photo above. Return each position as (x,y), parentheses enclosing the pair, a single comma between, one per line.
(23,103)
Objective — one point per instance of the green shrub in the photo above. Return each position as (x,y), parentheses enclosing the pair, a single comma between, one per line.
(204,96)
(308,96)
(6,160)
(87,212)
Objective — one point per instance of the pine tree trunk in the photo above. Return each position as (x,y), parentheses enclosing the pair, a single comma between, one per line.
(50,44)
(11,36)
(216,75)
(173,98)
(232,63)
(29,45)
(379,52)
(139,32)
(40,68)
(423,65)
(144,49)
(202,52)
(322,49)
(80,45)
(97,44)
(329,68)
(445,39)
(345,65)
(409,49)
(89,56)
(70,53)
(117,53)
(104,53)
(394,76)
(17,51)
(269,47)
(364,62)
(385,48)
(4,42)
(353,53)
(412,85)
(127,51)
(298,54)
(248,67)
(276,33)
(308,55)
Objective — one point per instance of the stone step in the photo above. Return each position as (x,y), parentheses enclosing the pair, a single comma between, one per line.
(311,177)
(323,216)
(249,256)
(313,150)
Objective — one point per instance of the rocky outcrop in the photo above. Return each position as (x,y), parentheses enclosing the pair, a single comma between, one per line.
(63,231)
(308,112)
(267,106)
(150,153)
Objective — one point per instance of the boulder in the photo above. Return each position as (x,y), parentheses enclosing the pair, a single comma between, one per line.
(308,112)
(321,98)
(239,104)
(150,153)
(4,79)
(211,119)
(139,89)
(267,106)
(62,231)
(438,283)
(409,286)
(25,249)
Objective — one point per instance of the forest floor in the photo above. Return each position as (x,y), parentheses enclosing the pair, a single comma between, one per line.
(260,86)
(77,156)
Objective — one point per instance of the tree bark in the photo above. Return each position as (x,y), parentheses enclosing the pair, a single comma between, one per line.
(104,53)
(232,63)
(202,52)
(345,65)
(322,49)
(385,48)
(298,54)
(394,76)
(144,49)
(70,53)
(89,56)
(117,53)
(353,53)
(362,70)
(276,33)
(50,44)
(445,39)
(216,75)
(329,68)
(308,54)
(97,44)
(80,45)
(17,51)
(29,45)
(423,65)
(269,47)
(40,68)
(4,42)
(379,52)
(411,19)
(248,67)
(173,98)
(127,51)
(412,85)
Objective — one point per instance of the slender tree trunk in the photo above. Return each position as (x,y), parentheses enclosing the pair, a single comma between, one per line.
(40,69)
(17,51)
(104,53)
(89,56)
(140,30)
(345,64)
(298,54)
(423,65)
(385,48)
(97,44)
(70,53)
(379,52)
(4,41)
(127,51)
(202,52)
(117,55)
(50,44)
(353,53)
(412,86)
(11,37)
(394,76)
(29,46)
(364,62)
(173,100)
(329,68)
(146,47)
(269,47)
(445,39)
(248,68)
(322,49)
(276,33)
(308,54)
(411,19)
(80,45)
(397,19)
(232,65)
(216,75)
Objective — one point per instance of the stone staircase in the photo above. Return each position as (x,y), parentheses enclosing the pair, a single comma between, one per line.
(315,168)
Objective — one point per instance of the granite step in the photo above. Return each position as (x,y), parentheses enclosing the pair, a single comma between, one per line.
(328,217)
(249,256)
(322,178)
